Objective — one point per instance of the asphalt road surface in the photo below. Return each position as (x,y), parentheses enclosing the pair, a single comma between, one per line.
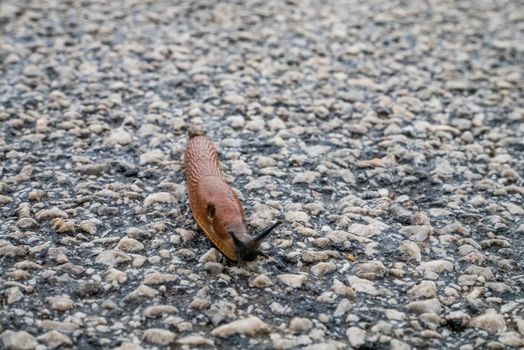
(387,135)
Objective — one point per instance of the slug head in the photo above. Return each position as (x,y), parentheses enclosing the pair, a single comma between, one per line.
(219,213)
(248,251)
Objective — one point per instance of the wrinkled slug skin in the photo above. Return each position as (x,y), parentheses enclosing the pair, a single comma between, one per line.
(206,186)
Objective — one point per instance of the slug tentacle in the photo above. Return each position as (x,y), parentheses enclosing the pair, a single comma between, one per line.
(214,205)
(250,250)
(266,233)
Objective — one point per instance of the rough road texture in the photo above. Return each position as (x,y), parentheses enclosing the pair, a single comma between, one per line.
(389,136)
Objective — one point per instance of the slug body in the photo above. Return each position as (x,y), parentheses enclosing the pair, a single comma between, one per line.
(214,205)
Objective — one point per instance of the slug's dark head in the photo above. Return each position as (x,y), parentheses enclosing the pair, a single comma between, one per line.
(248,251)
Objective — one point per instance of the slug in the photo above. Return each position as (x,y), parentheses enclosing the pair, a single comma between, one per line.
(214,205)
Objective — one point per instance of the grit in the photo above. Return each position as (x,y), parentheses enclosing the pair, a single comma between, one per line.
(388,135)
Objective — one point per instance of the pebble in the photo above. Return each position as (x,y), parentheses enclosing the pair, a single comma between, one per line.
(293,281)
(20,340)
(112,258)
(278,309)
(87,289)
(48,214)
(128,346)
(248,326)
(498,287)
(89,226)
(26,223)
(311,256)
(417,233)
(356,337)
(399,345)
(410,250)
(158,336)
(371,270)
(307,177)
(55,339)
(113,275)
(130,245)
(260,281)
(342,308)
(443,168)
(64,327)
(366,230)
(265,162)
(362,285)
(255,125)
(155,277)
(214,268)
(10,250)
(512,339)
(159,310)
(323,268)
(300,325)
(437,266)
(490,321)
(239,167)
(478,201)
(425,289)
(195,340)
(220,311)
(141,291)
(57,255)
(60,303)
(297,216)
(154,156)
(159,198)
(236,121)
(458,319)
(5,199)
(97,169)
(63,226)
(13,295)
(425,306)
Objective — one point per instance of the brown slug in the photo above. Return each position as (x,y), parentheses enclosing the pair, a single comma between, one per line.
(215,206)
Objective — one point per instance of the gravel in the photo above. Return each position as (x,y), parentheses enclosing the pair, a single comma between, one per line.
(389,137)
